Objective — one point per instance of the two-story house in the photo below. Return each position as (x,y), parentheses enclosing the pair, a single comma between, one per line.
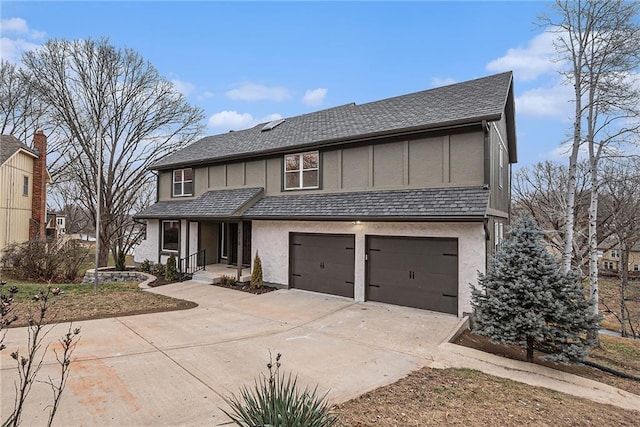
(23,193)
(400,200)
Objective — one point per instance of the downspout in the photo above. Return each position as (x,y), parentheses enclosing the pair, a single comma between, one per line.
(487,154)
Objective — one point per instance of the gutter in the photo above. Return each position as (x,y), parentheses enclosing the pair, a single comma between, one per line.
(478,218)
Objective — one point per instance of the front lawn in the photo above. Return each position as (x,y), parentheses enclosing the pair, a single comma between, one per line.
(79,302)
(610,301)
(463,397)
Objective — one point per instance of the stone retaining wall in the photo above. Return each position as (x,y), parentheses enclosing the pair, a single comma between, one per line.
(107,276)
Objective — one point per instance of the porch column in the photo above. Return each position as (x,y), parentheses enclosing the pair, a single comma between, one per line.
(240,250)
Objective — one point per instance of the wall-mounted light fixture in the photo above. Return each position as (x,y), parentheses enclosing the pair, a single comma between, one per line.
(356,222)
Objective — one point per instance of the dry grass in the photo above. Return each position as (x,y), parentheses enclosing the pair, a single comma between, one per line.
(79,302)
(431,397)
(610,300)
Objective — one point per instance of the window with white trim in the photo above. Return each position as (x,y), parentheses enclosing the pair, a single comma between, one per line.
(170,235)
(608,265)
(183,182)
(615,253)
(301,171)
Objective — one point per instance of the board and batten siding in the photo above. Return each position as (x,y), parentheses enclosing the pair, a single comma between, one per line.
(455,160)
(15,208)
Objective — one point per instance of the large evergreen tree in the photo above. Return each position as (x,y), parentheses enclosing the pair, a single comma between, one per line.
(525,299)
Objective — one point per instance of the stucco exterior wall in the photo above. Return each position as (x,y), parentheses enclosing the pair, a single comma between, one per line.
(271,240)
(148,248)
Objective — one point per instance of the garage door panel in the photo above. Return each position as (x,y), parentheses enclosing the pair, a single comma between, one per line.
(415,272)
(323,263)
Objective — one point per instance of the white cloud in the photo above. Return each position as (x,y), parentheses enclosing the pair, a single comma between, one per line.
(532,61)
(442,81)
(11,50)
(205,95)
(314,97)
(552,101)
(183,87)
(19,26)
(256,92)
(232,120)
(16,39)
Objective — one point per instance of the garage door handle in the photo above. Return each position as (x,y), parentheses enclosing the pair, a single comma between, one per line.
(374,286)
(449,296)
(351,283)
(297,275)
(449,254)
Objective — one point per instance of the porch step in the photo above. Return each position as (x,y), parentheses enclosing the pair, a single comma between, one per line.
(213,277)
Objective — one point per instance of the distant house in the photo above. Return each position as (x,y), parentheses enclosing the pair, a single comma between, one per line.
(23,189)
(400,201)
(610,259)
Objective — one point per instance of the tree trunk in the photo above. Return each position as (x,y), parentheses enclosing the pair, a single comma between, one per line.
(593,252)
(623,268)
(530,349)
(567,254)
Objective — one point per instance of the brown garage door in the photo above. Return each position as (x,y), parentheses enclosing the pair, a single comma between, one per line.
(322,263)
(414,272)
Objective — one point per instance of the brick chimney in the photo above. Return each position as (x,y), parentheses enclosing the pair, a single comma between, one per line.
(38,223)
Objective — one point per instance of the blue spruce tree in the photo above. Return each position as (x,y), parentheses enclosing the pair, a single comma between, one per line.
(526,300)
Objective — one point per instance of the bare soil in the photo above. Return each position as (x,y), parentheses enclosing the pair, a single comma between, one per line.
(462,397)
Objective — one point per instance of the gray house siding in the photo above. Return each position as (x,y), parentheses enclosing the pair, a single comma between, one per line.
(454,160)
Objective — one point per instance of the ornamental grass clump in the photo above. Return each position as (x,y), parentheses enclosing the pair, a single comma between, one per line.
(275,401)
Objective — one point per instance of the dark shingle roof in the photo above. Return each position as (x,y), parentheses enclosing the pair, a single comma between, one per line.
(212,204)
(405,204)
(467,102)
(9,145)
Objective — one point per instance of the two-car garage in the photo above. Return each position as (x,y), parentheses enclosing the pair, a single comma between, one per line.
(419,272)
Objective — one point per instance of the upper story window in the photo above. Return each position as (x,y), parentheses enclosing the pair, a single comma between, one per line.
(183,182)
(615,253)
(25,185)
(301,171)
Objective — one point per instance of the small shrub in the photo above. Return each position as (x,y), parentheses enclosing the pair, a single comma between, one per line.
(256,273)
(171,269)
(276,401)
(45,261)
(228,280)
(121,261)
(157,270)
(146,266)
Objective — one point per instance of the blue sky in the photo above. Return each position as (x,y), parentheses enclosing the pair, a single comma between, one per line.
(249,62)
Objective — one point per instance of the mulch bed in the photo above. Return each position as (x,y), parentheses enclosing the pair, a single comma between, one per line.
(245,287)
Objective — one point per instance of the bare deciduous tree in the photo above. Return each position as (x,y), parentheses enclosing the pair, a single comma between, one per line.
(541,191)
(110,98)
(621,205)
(600,40)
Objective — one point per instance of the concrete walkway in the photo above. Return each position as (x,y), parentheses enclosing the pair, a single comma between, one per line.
(174,368)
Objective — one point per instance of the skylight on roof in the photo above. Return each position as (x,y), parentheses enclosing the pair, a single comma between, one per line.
(272,124)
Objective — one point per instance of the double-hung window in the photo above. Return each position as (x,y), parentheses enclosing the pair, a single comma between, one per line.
(25,185)
(301,171)
(170,235)
(182,182)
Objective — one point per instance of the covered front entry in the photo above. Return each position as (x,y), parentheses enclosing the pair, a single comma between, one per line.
(414,272)
(230,234)
(322,263)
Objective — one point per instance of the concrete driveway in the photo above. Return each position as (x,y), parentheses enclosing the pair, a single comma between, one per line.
(173,368)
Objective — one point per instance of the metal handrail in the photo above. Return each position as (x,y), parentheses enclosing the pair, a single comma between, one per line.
(191,263)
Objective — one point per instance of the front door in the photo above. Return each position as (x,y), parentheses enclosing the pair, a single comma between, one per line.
(229,243)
